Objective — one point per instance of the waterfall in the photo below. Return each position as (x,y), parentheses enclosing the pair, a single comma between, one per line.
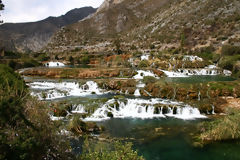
(78,109)
(210,70)
(137,93)
(213,108)
(145,108)
(199,96)
(55,90)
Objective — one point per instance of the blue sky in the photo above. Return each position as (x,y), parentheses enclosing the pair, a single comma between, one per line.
(34,10)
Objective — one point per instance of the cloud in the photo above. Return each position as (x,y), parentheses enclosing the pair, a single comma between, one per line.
(34,10)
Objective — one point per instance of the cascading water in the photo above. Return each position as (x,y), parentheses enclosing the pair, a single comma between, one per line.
(78,109)
(143,108)
(137,93)
(213,109)
(53,90)
(210,70)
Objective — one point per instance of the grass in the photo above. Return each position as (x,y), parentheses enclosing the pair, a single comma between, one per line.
(226,128)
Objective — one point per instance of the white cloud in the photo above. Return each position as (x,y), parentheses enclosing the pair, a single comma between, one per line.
(34,10)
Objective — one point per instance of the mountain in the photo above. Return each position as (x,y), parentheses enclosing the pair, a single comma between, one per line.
(33,36)
(188,24)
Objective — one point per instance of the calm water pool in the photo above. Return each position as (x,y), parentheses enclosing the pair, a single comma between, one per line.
(169,139)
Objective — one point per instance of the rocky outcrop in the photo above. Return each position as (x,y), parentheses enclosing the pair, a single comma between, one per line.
(167,24)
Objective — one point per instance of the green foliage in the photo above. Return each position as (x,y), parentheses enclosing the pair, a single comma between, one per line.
(230,50)
(109,114)
(1,5)
(149,79)
(152,46)
(227,62)
(77,126)
(226,128)
(28,62)
(42,57)
(12,92)
(85,59)
(206,53)
(143,64)
(103,152)
(137,54)
(71,60)
(26,130)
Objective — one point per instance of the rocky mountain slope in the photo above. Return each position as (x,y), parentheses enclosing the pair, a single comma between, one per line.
(32,37)
(188,24)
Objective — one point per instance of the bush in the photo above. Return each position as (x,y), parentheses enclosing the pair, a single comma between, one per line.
(102,151)
(27,63)
(149,79)
(85,60)
(230,50)
(226,128)
(143,64)
(26,129)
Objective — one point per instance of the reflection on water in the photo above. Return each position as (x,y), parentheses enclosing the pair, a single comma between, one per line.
(169,139)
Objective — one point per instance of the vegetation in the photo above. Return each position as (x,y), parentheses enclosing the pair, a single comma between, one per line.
(230,50)
(116,152)
(149,79)
(226,128)
(26,132)
(143,64)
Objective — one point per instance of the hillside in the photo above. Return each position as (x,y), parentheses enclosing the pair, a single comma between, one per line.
(32,37)
(185,24)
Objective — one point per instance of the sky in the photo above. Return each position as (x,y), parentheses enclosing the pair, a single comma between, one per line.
(34,10)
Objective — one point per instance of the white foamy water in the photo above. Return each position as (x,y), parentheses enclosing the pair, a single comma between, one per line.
(144,108)
(192,58)
(137,93)
(210,70)
(78,109)
(53,90)
(142,73)
(54,64)
(145,57)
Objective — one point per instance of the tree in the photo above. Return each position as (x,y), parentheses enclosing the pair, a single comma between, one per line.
(1,7)
(26,131)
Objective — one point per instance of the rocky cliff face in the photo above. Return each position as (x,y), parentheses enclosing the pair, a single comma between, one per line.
(32,37)
(165,23)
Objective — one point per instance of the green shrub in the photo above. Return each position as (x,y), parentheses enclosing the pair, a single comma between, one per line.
(27,63)
(102,151)
(26,129)
(143,64)
(230,50)
(85,60)
(149,79)
(226,128)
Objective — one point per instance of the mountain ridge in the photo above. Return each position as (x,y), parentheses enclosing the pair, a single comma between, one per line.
(33,36)
(144,22)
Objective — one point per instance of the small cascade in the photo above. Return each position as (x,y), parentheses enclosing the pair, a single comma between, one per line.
(207,71)
(54,64)
(144,108)
(199,96)
(213,109)
(55,90)
(141,74)
(78,109)
(137,93)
